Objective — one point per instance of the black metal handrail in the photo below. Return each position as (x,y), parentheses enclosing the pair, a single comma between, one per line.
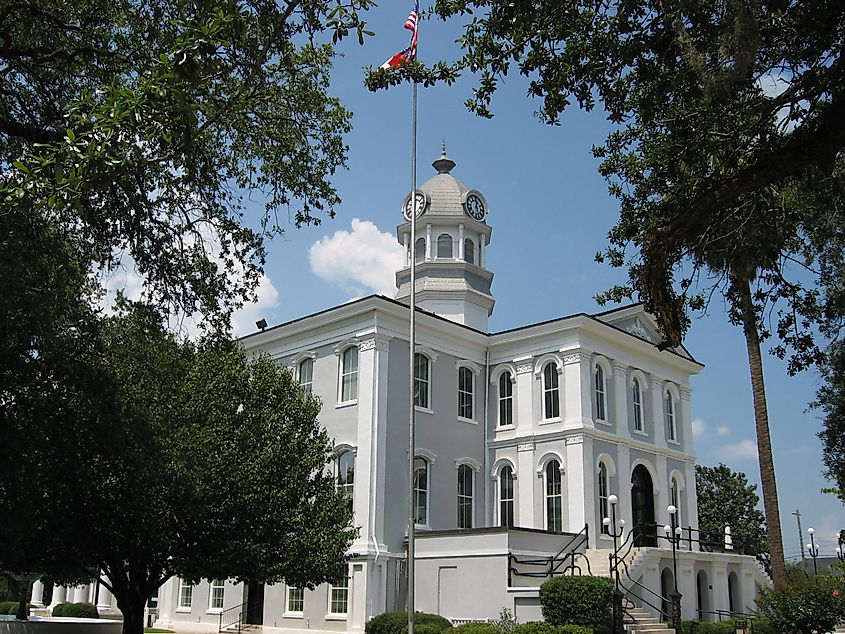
(553,564)
(228,617)
(619,558)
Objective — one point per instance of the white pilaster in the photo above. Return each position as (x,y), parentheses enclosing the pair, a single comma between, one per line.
(718,577)
(428,242)
(658,419)
(577,398)
(686,419)
(661,515)
(524,397)
(358,600)
(368,493)
(579,482)
(167,603)
(406,241)
(525,485)
(623,481)
(104,600)
(620,400)
(686,586)
(692,498)
(482,251)
(37,597)
(460,242)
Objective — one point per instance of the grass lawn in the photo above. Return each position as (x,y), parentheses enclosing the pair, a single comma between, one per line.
(155,629)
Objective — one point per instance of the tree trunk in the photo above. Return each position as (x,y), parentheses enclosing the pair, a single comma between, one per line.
(764,443)
(132,606)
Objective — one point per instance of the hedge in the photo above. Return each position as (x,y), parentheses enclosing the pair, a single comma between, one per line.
(541,627)
(11,607)
(76,610)
(578,600)
(397,623)
(477,628)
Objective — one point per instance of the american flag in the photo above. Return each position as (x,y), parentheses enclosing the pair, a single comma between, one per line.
(410,53)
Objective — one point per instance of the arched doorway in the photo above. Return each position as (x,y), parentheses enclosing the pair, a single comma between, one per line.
(667,584)
(702,595)
(734,601)
(642,507)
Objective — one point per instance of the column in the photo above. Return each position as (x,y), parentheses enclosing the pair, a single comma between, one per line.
(620,400)
(482,249)
(358,597)
(59,596)
(37,597)
(104,599)
(405,241)
(368,495)
(685,413)
(658,420)
(579,482)
(460,242)
(428,242)
(525,486)
(167,603)
(662,500)
(524,396)
(577,402)
(692,500)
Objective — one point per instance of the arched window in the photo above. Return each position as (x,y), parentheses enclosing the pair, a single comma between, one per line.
(349,375)
(444,246)
(554,504)
(419,250)
(422,381)
(675,499)
(421,490)
(465,392)
(469,251)
(345,468)
(505,399)
(671,431)
(604,494)
(464,496)
(305,371)
(506,496)
(551,392)
(637,398)
(601,403)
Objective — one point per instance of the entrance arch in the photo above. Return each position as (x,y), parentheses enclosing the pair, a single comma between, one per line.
(642,507)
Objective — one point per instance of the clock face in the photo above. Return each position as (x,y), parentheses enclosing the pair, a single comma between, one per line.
(419,203)
(475,207)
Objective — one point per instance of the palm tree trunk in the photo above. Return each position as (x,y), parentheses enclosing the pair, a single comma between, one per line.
(761,420)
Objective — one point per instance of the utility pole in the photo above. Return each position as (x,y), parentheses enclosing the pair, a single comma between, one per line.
(797,515)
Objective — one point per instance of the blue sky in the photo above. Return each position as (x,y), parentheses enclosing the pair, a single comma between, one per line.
(550,213)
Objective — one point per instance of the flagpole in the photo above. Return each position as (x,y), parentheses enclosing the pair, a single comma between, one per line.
(412,512)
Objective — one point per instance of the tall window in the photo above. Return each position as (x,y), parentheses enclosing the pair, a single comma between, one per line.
(186,594)
(601,405)
(295,600)
(506,497)
(637,398)
(675,500)
(671,432)
(345,466)
(349,375)
(505,399)
(306,374)
(215,597)
(339,592)
(422,382)
(465,392)
(469,251)
(419,250)
(554,506)
(604,493)
(551,393)
(464,496)
(444,246)
(421,490)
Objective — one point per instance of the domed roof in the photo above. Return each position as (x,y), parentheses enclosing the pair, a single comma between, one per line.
(444,190)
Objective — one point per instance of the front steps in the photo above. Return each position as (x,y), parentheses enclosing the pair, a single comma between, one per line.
(640,621)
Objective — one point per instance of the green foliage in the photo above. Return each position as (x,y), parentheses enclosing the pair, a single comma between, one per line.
(5,606)
(61,609)
(706,627)
(577,600)
(507,621)
(477,628)
(542,627)
(831,400)
(397,623)
(726,497)
(79,611)
(577,629)
(814,605)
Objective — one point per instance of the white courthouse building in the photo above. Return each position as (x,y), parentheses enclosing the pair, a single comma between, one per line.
(522,438)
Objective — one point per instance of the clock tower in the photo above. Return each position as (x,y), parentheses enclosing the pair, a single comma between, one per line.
(452,234)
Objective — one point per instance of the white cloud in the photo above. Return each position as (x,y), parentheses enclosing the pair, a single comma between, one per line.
(360,261)
(743,451)
(723,430)
(243,320)
(699,428)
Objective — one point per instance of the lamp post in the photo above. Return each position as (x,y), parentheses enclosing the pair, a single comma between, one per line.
(813,549)
(673,533)
(615,531)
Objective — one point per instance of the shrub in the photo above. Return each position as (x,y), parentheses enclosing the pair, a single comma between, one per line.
(5,606)
(574,629)
(760,626)
(577,601)
(535,627)
(816,605)
(705,627)
(81,611)
(59,610)
(477,628)
(397,623)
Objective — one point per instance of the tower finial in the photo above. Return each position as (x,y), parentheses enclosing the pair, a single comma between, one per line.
(444,164)
(444,146)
